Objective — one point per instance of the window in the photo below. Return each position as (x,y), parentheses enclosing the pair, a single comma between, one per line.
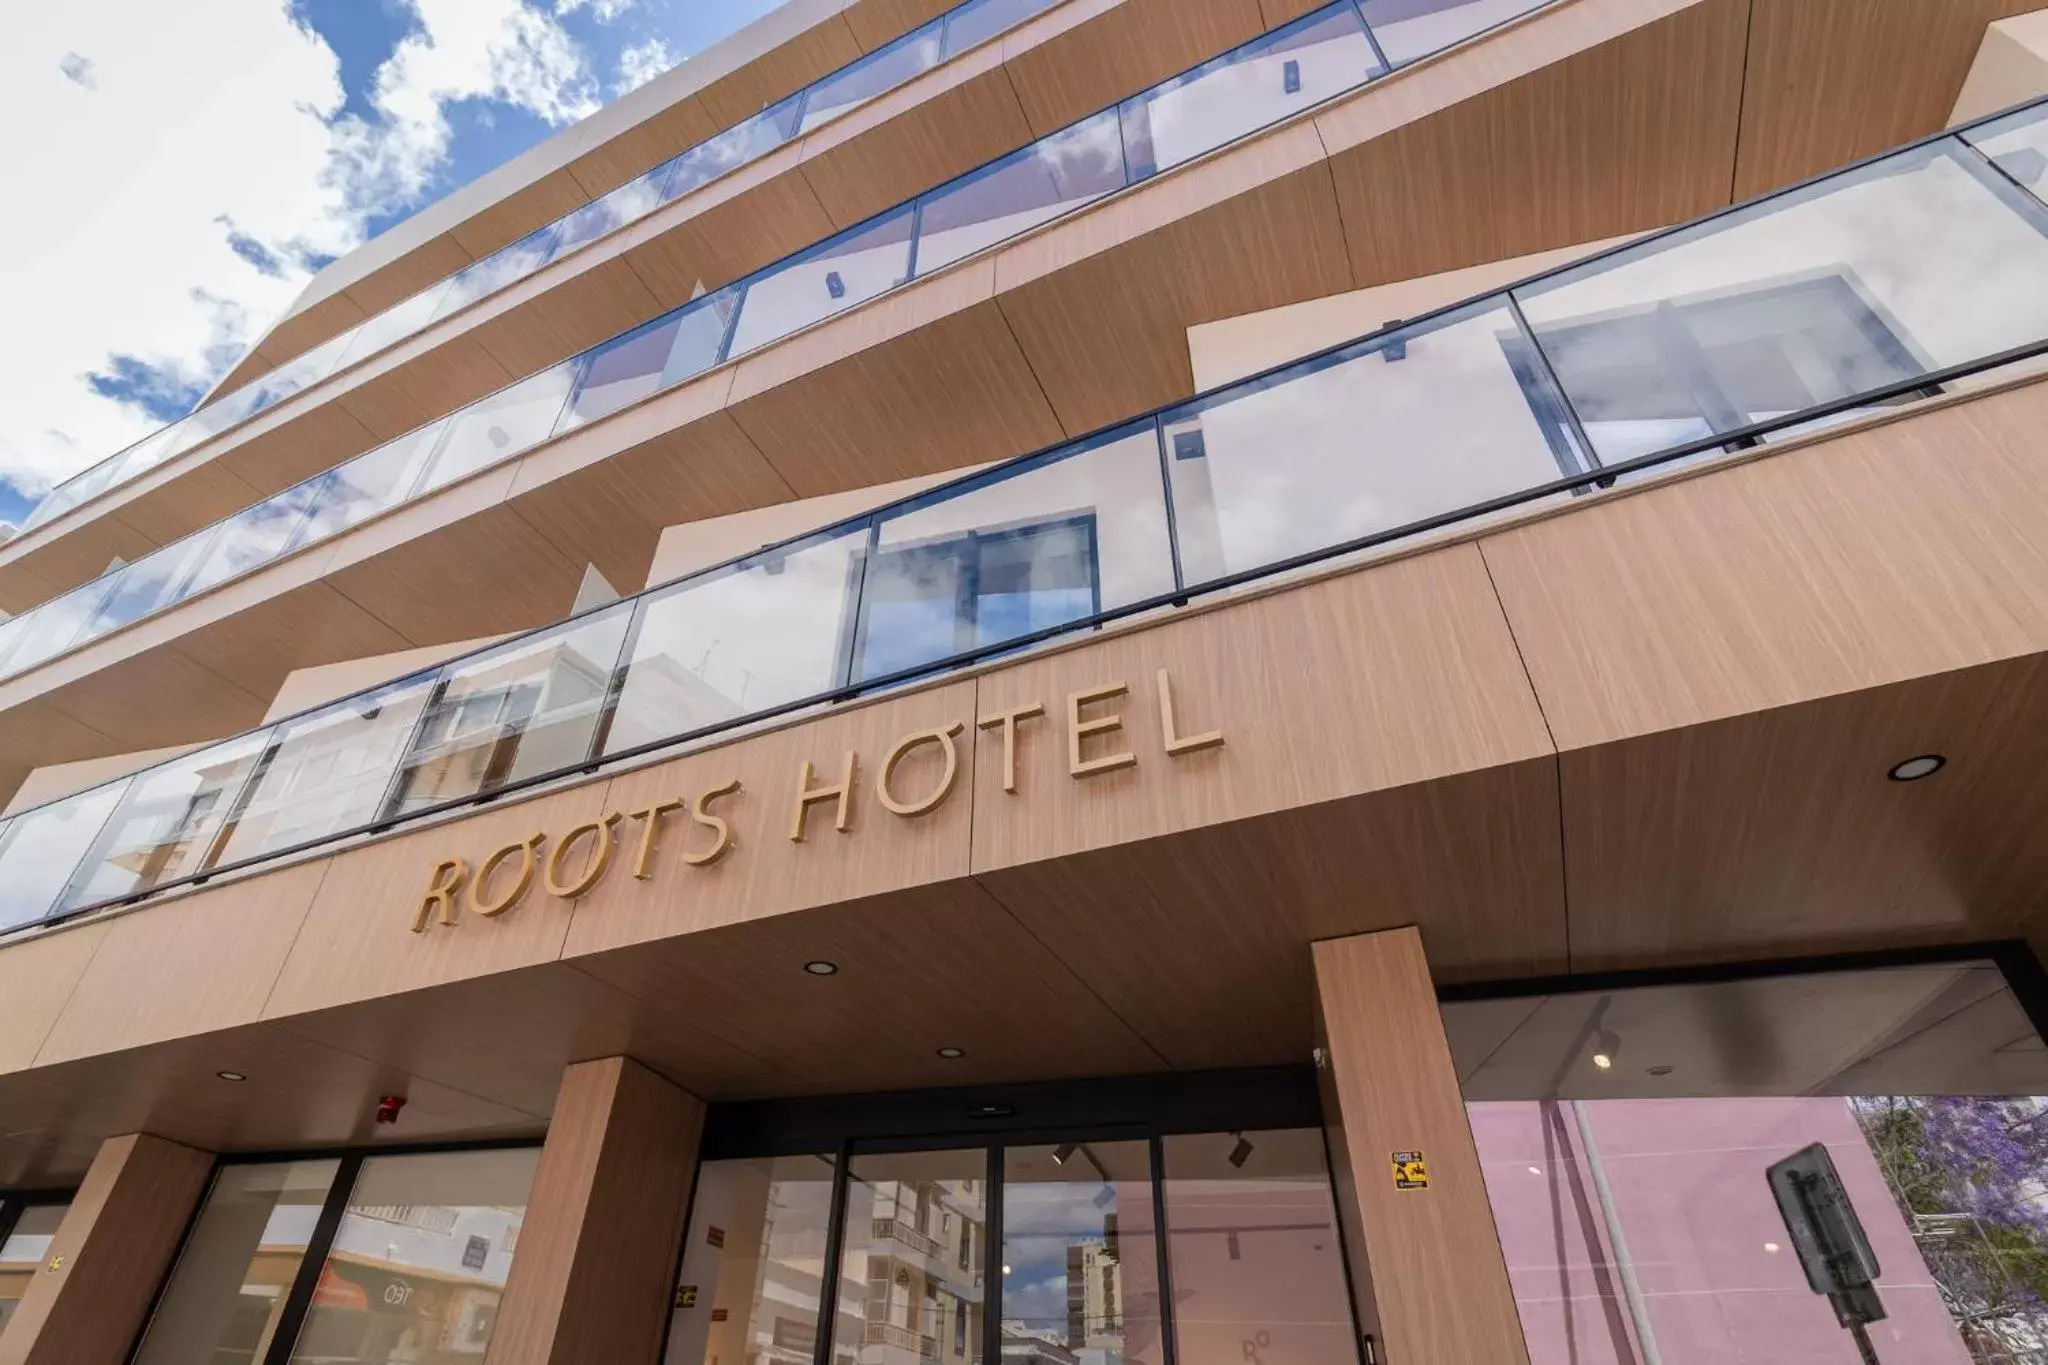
(378,1260)
(753,1262)
(26,1228)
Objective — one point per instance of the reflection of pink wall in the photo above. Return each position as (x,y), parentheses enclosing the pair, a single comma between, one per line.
(1695,1210)
(1282,1299)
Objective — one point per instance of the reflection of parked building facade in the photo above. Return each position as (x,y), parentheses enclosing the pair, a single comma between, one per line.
(1079,682)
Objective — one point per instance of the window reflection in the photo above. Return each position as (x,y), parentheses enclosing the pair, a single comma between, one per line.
(1053,176)
(397,322)
(975,23)
(504,266)
(40,848)
(235,1271)
(151,583)
(532,707)
(874,74)
(826,279)
(419,1260)
(754,1263)
(369,483)
(911,1269)
(22,1253)
(1252,1244)
(734,147)
(651,358)
(607,214)
(1408,29)
(501,425)
(1080,1269)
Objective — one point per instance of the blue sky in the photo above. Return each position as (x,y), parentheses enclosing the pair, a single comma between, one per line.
(266,137)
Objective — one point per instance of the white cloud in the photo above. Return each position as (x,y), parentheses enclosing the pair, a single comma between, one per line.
(640,63)
(153,131)
(604,11)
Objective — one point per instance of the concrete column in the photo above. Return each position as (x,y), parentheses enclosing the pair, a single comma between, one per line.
(592,1279)
(114,1247)
(1428,1277)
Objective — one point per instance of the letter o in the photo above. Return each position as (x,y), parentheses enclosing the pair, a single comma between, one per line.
(600,858)
(943,737)
(528,848)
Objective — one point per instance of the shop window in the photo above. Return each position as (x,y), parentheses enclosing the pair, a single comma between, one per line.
(892,1271)
(25,1232)
(1080,1263)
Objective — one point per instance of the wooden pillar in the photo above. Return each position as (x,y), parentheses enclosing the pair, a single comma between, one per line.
(593,1276)
(86,1304)
(1427,1274)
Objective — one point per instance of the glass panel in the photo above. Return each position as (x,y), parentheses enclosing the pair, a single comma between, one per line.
(734,147)
(40,849)
(984,19)
(218,415)
(879,71)
(368,484)
(1251,1238)
(1080,1266)
(503,424)
(150,584)
(21,1255)
(1925,259)
(1036,548)
(1053,176)
(1408,29)
(607,214)
(911,1281)
(849,269)
(327,771)
(650,358)
(1302,64)
(307,368)
(419,1260)
(2018,145)
(55,626)
(753,1263)
(502,267)
(236,1268)
(396,323)
(711,649)
(530,707)
(254,536)
(1388,432)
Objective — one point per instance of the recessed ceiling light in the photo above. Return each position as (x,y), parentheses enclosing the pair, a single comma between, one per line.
(952,1054)
(821,968)
(1913,769)
(231,1075)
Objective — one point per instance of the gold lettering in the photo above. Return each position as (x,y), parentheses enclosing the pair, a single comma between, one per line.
(1078,730)
(700,811)
(491,909)
(442,885)
(1175,744)
(650,826)
(593,868)
(808,796)
(943,737)
(1007,722)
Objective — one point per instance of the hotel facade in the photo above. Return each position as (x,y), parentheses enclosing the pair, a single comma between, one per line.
(1082,682)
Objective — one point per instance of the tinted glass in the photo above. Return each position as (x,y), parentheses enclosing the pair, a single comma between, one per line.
(1363,442)
(881,70)
(1408,29)
(500,268)
(419,1260)
(254,537)
(531,707)
(911,1257)
(236,1268)
(501,425)
(824,280)
(735,147)
(1080,1268)
(166,823)
(752,1265)
(984,19)
(711,649)
(151,583)
(369,483)
(327,771)
(53,627)
(1033,186)
(39,850)
(1042,547)
(1300,65)
(651,358)
(628,203)
(1918,261)
(21,1255)
(1252,1244)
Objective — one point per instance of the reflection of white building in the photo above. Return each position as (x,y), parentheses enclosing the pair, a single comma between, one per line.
(1095,1299)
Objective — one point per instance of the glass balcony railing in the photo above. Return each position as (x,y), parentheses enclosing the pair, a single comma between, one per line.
(1319,57)
(965,26)
(1886,282)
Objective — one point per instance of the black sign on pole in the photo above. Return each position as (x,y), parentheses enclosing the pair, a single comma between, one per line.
(1825,1231)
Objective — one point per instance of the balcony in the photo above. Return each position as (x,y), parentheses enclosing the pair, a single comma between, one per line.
(975,83)
(1912,277)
